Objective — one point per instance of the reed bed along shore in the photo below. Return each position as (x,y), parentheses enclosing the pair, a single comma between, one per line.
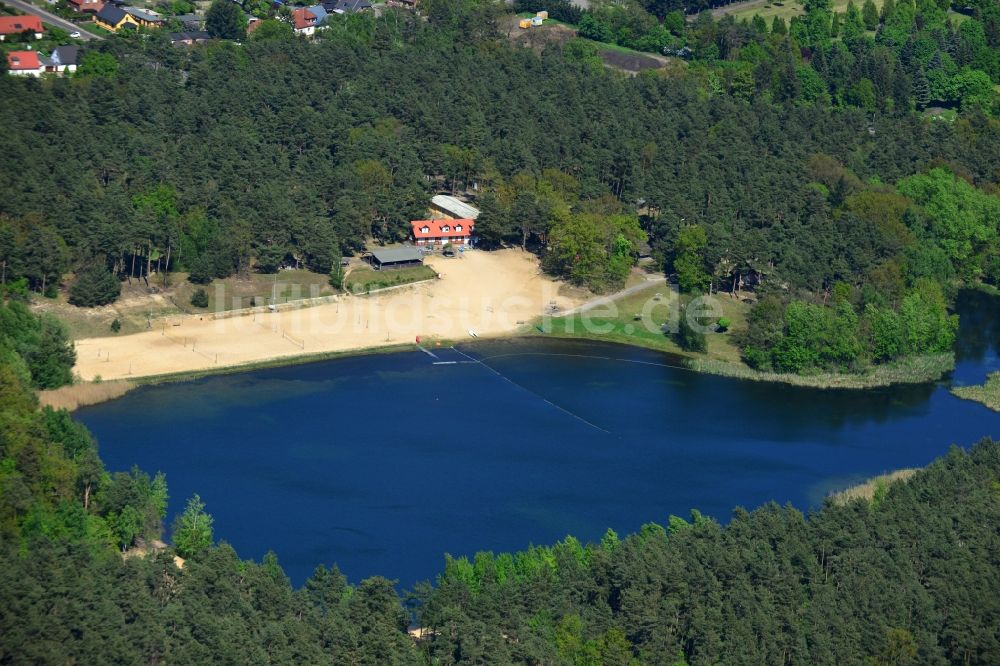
(83,394)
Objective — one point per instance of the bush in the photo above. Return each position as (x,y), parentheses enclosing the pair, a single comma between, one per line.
(199,299)
(337,275)
(94,286)
(116,326)
(724,324)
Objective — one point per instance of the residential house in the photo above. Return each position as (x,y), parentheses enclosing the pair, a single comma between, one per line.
(351,6)
(190,22)
(189,38)
(115,18)
(304,22)
(456,232)
(24,63)
(92,6)
(320,13)
(63,59)
(18,25)
(345,6)
(146,18)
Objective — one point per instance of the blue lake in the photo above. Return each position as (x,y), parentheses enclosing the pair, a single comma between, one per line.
(383,463)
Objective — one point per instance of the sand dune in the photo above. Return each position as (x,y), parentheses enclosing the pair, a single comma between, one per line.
(488,293)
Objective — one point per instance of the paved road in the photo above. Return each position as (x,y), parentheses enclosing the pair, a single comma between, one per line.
(51,18)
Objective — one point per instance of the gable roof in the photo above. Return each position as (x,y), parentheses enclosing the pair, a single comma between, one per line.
(146,15)
(12,25)
(303,18)
(454,206)
(111,14)
(348,6)
(397,254)
(21,60)
(190,21)
(193,36)
(65,55)
(436,228)
(319,12)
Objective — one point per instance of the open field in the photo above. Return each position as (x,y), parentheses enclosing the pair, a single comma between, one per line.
(786,9)
(987,393)
(490,294)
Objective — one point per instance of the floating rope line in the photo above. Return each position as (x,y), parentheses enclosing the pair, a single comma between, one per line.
(537,395)
(599,358)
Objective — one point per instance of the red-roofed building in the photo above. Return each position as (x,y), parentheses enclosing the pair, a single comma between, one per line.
(15,25)
(24,63)
(304,21)
(456,232)
(86,5)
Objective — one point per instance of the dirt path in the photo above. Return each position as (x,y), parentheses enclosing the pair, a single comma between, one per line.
(485,293)
(628,291)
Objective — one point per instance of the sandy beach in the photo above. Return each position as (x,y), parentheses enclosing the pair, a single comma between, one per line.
(486,293)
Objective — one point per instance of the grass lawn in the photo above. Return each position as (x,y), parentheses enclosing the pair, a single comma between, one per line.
(786,9)
(620,324)
(254,289)
(605,46)
(363,280)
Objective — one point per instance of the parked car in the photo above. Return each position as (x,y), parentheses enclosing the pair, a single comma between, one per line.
(75,34)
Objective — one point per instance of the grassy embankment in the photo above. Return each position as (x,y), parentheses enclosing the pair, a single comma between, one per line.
(137,306)
(723,355)
(872,489)
(364,280)
(987,393)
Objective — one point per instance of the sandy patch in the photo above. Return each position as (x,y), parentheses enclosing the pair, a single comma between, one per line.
(488,293)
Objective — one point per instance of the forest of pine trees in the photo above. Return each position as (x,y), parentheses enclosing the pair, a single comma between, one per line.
(802,160)
(909,577)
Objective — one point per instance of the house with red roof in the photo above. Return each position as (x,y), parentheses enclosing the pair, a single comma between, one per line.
(430,232)
(304,21)
(24,63)
(93,6)
(16,25)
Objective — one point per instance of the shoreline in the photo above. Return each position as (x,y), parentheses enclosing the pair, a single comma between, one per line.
(986,394)
(935,367)
(872,489)
(688,361)
(446,297)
